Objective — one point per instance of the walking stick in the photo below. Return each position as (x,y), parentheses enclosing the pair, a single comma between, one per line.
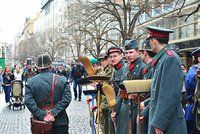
(99,88)
(139,114)
(131,115)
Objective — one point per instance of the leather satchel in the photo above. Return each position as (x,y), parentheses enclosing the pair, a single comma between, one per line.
(42,127)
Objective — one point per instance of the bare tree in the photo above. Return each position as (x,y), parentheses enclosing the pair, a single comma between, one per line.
(52,44)
(127,13)
(28,48)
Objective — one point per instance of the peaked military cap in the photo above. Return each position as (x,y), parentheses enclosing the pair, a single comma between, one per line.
(196,53)
(114,49)
(131,45)
(159,32)
(145,45)
(44,61)
(103,56)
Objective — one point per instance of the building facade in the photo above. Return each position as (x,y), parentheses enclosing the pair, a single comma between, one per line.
(186,28)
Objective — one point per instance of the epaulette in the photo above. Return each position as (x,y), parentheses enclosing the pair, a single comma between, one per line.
(170,53)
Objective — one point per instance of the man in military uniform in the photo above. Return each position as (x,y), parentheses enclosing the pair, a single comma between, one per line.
(107,124)
(147,56)
(119,75)
(165,108)
(128,108)
(37,96)
(190,85)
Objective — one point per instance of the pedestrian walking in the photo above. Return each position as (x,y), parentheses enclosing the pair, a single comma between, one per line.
(29,73)
(47,96)
(77,72)
(165,109)
(8,77)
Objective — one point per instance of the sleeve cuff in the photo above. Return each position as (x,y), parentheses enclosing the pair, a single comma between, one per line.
(54,113)
(160,122)
(145,112)
(146,102)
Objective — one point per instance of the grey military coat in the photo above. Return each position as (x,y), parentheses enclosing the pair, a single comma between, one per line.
(38,88)
(165,108)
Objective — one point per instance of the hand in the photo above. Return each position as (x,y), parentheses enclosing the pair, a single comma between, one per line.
(49,117)
(158,131)
(198,73)
(140,120)
(113,116)
(142,106)
(94,84)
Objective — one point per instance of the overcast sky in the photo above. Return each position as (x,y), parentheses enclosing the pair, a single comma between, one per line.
(12,16)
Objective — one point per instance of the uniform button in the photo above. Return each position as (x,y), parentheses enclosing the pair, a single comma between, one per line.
(137,65)
(134,73)
(159,61)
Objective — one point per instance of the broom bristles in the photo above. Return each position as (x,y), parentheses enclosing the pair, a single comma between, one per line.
(88,67)
(110,95)
(137,86)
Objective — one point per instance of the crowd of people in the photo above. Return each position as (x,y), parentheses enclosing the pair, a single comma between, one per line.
(171,107)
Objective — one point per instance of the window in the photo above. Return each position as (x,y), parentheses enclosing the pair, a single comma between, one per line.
(187,31)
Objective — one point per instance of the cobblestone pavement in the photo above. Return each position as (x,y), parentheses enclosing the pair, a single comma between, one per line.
(17,121)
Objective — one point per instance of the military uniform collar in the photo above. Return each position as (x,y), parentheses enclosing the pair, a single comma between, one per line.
(119,65)
(156,58)
(135,62)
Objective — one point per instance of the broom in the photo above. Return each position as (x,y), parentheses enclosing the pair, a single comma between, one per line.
(110,97)
(138,87)
(88,66)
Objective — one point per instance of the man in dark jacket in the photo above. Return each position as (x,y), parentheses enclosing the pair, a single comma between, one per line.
(37,96)
(77,72)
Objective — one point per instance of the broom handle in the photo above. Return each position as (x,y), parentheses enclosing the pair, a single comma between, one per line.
(99,88)
(98,116)
(139,114)
(114,122)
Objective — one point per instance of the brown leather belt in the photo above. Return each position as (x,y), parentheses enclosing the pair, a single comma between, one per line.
(123,94)
(47,107)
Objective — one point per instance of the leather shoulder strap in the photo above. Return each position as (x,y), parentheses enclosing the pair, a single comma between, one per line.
(54,82)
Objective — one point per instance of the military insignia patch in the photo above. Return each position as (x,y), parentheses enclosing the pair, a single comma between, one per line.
(169,53)
(153,62)
(131,66)
(144,70)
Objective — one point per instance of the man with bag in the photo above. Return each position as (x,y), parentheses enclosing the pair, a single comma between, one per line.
(47,96)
